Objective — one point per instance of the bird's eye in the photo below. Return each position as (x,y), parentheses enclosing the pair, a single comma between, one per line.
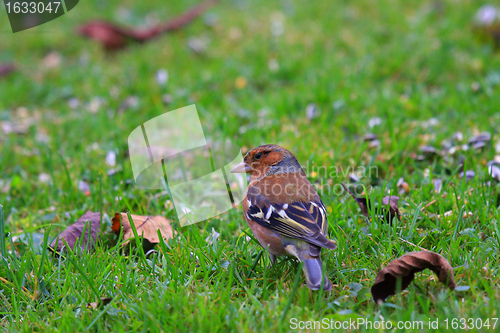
(258,156)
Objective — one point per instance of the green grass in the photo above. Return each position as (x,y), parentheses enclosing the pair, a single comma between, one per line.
(403,61)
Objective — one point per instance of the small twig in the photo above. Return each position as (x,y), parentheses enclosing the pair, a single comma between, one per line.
(433,202)
(8,282)
(410,243)
(347,190)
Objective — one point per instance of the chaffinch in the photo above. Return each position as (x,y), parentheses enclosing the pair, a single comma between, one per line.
(284,211)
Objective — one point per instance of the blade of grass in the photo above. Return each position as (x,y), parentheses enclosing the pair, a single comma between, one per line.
(292,295)
(44,252)
(80,270)
(137,239)
(103,311)
(414,221)
(3,249)
(460,217)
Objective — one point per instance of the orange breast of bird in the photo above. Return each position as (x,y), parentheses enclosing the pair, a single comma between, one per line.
(279,189)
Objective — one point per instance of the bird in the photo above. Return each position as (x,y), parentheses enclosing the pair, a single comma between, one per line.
(284,211)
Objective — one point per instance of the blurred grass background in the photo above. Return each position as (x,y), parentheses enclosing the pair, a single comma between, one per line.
(258,66)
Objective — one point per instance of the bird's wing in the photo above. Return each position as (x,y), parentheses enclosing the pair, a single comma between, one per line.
(318,212)
(300,220)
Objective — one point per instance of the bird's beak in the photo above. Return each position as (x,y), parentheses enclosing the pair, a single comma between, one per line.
(241,168)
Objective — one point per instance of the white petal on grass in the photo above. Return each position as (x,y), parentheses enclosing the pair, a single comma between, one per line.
(111,158)
(44,178)
(162,77)
(374,121)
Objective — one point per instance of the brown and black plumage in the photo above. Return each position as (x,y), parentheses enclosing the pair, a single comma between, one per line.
(284,211)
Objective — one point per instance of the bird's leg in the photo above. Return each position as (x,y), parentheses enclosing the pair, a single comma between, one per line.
(273,259)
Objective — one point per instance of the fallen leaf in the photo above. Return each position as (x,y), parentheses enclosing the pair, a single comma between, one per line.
(73,233)
(469,174)
(146,226)
(103,301)
(481,137)
(404,269)
(113,37)
(362,202)
(391,201)
(479,145)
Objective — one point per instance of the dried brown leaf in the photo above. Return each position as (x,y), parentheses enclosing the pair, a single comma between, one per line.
(146,226)
(114,37)
(362,202)
(391,201)
(103,301)
(405,267)
(91,222)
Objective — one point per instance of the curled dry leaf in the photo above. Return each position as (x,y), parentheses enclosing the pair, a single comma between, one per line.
(114,37)
(391,201)
(91,222)
(405,267)
(146,226)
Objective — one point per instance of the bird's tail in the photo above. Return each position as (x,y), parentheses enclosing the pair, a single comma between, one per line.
(313,270)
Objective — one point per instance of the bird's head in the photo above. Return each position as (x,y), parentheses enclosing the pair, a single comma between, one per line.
(267,160)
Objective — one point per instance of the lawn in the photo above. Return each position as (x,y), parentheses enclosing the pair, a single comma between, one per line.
(313,77)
